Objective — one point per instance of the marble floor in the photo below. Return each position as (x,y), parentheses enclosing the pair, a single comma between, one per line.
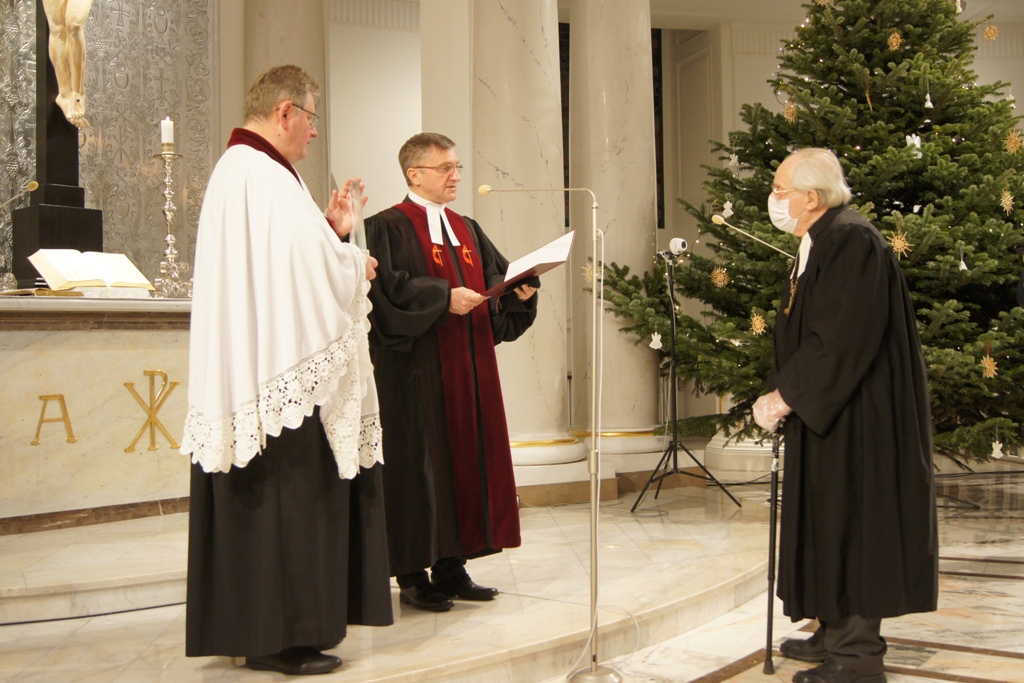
(682,598)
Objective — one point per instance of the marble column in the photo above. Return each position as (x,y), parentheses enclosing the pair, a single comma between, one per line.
(517,144)
(611,140)
(446,81)
(293,32)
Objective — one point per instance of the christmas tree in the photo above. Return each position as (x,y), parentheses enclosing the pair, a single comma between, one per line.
(934,160)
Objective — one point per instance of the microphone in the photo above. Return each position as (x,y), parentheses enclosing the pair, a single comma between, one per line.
(718,220)
(676,247)
(487,189)
(32,186)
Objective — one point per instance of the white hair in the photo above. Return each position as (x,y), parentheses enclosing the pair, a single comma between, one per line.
(818,169)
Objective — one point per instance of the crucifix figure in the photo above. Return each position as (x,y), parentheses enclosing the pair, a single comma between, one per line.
(67,54)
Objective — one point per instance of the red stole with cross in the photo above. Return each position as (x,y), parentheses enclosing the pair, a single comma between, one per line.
(481,457)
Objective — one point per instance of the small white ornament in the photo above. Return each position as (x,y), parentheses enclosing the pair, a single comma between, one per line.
(997,450)
(959,6)
(915,141)
(726,209)
(928,101)
(963,264)
(655,340)
(734,164)
(917,208)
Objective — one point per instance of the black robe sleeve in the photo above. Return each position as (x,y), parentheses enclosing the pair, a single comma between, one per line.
(406,301)
(845,317)
(510,317)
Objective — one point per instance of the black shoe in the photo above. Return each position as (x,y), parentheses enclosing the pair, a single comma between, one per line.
(466,589)
(831,671)
(424,596)
(810,650)
(295,661)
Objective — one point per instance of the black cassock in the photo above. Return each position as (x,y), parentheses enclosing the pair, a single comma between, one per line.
(448,481)
(858,534)
(283,552)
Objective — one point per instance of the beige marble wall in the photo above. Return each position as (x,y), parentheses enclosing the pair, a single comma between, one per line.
(611,138)
(446,82)
(518,144)
(293,32)
(90,369)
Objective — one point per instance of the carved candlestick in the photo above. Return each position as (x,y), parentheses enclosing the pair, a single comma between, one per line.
(171,283)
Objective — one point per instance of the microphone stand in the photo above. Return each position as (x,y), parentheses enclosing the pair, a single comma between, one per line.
(671,454)
(596,673)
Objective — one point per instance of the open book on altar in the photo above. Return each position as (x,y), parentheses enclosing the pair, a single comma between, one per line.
(551,255)
(69,269)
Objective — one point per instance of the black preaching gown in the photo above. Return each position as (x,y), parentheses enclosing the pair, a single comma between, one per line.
(448,481)
(283,552)
(858,533)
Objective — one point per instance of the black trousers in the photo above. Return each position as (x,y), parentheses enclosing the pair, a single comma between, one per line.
(856,643)
(446,571)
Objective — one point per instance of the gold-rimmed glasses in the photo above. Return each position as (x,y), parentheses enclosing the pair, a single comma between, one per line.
(778,191)
(312,117)
(444,169)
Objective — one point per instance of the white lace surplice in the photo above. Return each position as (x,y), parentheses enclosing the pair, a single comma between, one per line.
(279,322)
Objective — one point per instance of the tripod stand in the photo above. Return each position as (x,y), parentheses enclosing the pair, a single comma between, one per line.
(669,463)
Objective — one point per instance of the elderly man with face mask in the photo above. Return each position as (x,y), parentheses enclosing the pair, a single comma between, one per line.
(858,536)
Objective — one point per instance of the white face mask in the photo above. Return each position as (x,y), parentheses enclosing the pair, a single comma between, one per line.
(778,212)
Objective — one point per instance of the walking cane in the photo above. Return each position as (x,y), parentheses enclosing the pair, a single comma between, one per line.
(769,666)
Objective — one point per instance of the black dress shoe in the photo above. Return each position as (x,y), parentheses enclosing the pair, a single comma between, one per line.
(424,596)
(810,650)
(831,671)
(466,589)
(295,661)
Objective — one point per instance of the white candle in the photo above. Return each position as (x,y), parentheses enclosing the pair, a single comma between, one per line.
(167,131)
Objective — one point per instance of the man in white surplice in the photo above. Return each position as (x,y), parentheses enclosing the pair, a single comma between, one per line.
(286,531)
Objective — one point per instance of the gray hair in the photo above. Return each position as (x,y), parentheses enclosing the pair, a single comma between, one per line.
(419,147)
(819,170)
(273,86)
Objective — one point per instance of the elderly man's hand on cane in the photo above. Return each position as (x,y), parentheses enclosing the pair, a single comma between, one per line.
(769,411)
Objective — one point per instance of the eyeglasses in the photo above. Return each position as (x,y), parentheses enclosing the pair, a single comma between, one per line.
(313,117)
(444,169)
(778,191)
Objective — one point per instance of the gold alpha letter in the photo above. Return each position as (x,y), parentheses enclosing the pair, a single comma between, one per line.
(156,401)
(64,417)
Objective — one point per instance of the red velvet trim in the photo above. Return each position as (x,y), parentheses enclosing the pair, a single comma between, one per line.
(243,136)
(473,400)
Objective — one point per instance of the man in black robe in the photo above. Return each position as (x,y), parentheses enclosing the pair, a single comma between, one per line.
(858,539)
(448,482)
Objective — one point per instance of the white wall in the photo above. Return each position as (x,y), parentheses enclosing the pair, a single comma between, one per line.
(374,105)
(1003,60)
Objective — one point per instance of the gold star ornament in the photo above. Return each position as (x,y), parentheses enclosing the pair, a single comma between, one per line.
(1006,201)
(988,367)
(758,325)
(719,277)
(789,112)
(991,32)
(900,244)
(895,40)
(1014,141)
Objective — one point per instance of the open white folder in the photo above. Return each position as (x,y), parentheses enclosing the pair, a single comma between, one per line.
(538,261)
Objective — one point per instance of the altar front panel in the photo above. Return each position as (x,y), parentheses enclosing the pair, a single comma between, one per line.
(112,376)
